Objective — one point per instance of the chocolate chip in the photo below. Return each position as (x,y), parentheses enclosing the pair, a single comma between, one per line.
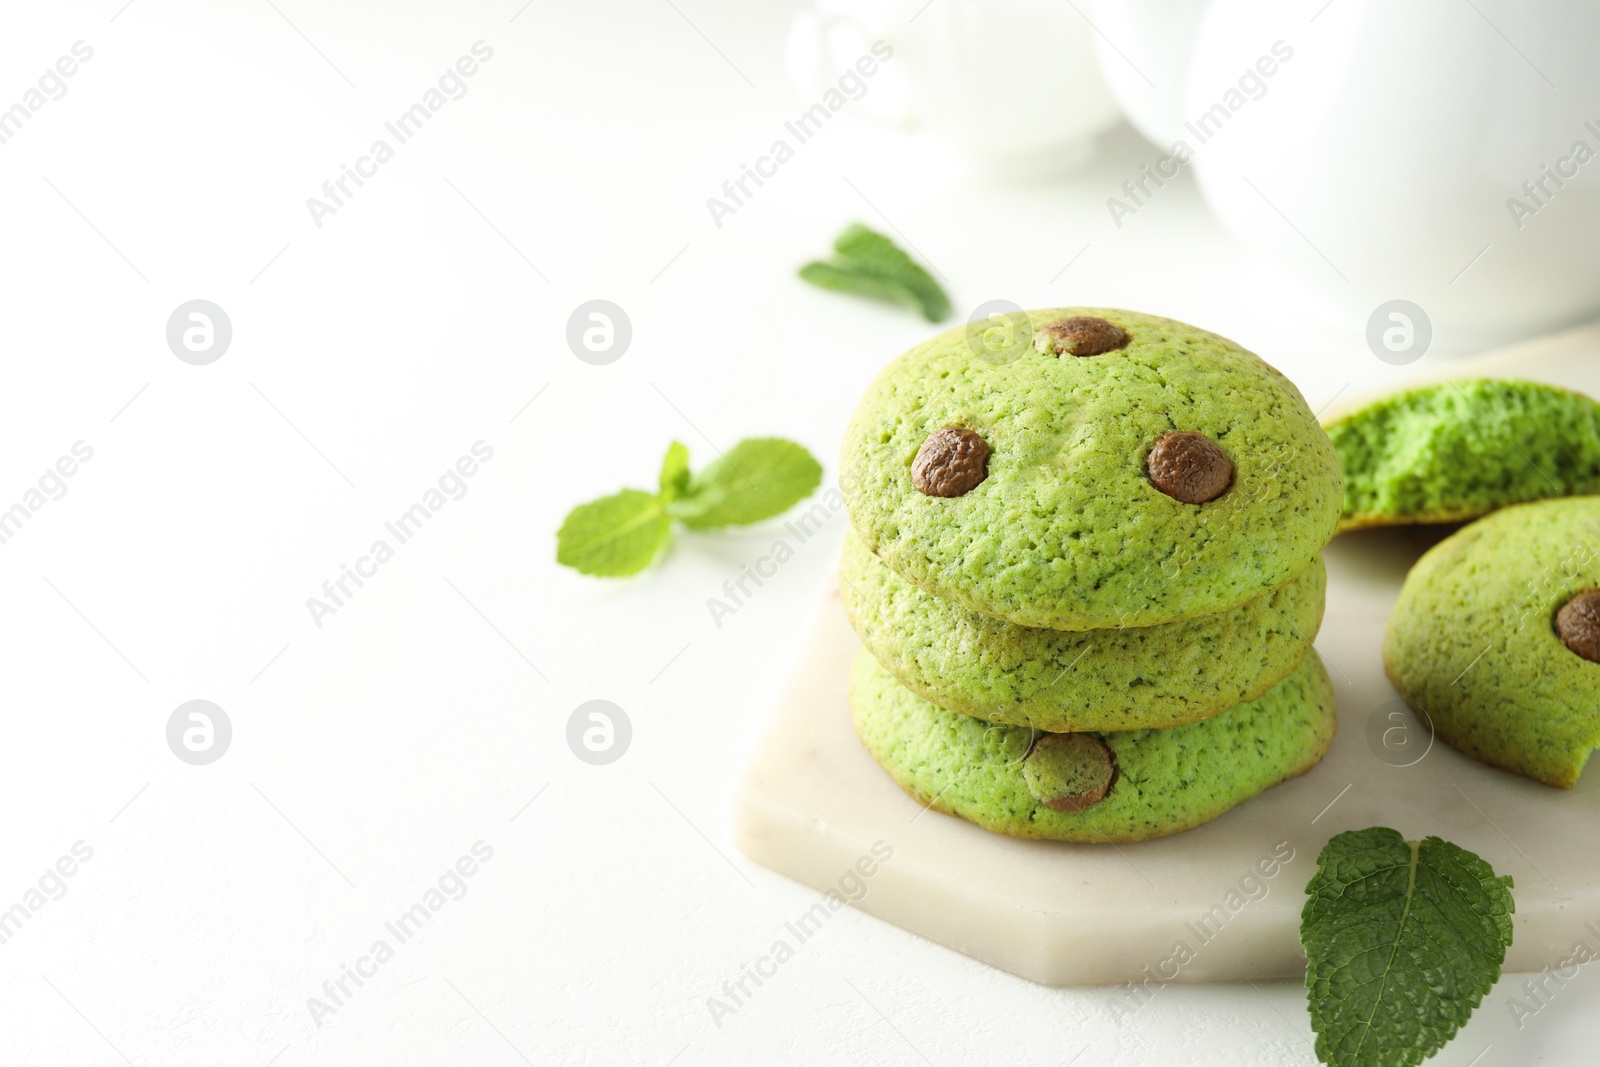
(1080,335)
(1069,772)
(1578,623)
(950,462)
(1189,467)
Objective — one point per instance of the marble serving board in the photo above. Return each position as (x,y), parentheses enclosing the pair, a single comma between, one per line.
(1218,903)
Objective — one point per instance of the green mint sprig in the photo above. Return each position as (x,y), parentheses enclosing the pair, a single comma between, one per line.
(1403,939)
(869,264)
(623,533)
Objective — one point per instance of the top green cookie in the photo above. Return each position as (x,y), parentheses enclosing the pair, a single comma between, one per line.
(1048,510)
(1443,453)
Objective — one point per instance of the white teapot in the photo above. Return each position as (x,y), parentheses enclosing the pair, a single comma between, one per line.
(1441,152)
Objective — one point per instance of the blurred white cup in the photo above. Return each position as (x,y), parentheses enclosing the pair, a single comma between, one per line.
(1011,85)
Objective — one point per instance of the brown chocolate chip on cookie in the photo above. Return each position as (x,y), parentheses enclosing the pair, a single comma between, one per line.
(1080,335)
(950,462)
(1578,623)
(1069,772)
(1189,467)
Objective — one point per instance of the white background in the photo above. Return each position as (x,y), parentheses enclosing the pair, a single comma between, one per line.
(425,315)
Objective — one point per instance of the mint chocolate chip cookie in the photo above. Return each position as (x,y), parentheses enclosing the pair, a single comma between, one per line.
(1126,470)
(1496,638)
(1455,451)
(1130,785)
(1063,681)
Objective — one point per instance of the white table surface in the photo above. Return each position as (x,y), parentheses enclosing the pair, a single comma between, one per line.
(371,752)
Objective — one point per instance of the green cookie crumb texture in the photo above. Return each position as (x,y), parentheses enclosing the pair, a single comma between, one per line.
(1454,451)
(1164,781)
(1472,643)
(1066,531)
(1063,681)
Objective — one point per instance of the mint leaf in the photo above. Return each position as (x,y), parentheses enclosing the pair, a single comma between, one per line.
(623,533)
(873,253)
(674,472)
(1402,941)
(614,536)
(869,264)
(756,479)
(848,280)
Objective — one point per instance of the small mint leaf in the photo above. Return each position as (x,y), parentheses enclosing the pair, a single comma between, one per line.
(1403,939)
(756,479)
(869,264)
(674,472)
(614,536)
(846,280)
(875,253)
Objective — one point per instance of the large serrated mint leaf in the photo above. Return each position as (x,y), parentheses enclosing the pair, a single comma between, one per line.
(755,479)
(1402,940)
(614,536)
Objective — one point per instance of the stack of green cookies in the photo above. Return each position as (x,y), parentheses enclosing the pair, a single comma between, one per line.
(1086,571)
